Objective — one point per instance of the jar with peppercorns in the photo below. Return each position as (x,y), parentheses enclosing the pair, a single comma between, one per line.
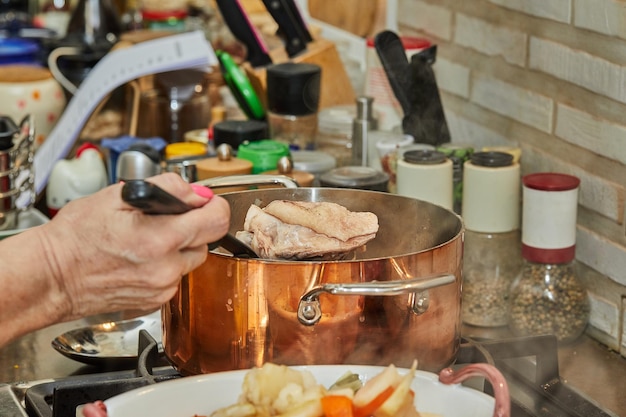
(491,258)
(548,297)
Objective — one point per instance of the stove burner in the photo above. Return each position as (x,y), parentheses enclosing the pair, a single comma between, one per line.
(60,398)
(530,365)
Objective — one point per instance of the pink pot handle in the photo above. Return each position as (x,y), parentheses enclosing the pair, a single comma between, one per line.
(495,378)
(95,409)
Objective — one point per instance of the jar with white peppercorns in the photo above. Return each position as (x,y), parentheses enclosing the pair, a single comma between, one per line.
(547,297)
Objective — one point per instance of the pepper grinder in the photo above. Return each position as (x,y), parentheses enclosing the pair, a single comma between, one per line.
(293,95)
(547,297)
(361,125)
(492,259)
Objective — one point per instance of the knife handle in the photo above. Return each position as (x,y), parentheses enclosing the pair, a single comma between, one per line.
(299,19)
(152,199)
(393,57)
(240,26)
(288,26)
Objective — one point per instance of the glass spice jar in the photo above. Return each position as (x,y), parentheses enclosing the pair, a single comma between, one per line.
(293,95)
(547,297)
(491,259)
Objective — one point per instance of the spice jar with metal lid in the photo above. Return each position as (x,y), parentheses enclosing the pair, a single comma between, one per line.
(492,252)
(425,175)
(357,177)
(548,297)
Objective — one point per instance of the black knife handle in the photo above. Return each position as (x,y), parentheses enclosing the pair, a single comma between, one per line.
(298,17)
(392,55)
(152,199)
(288,26)
(240,26)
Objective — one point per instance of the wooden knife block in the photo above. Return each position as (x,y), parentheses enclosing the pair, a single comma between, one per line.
(335,85)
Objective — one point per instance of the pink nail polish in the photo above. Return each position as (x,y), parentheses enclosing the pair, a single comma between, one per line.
(202,191)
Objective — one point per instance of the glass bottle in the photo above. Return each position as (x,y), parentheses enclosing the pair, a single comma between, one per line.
(293,94)
(547,297)
(95,22)
(491,259)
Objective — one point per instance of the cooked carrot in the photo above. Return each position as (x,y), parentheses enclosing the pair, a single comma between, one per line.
(337,406)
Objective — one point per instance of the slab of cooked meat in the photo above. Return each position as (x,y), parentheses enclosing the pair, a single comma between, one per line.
(299,230)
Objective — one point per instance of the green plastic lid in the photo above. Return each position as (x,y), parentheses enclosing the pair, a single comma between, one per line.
(264,154)
(241,87)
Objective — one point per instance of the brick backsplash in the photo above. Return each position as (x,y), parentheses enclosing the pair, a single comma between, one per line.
(433,19)
(604,16)
(520,104)
(493,40)
(549,77)
(577,67)
(594,133)
(559,10)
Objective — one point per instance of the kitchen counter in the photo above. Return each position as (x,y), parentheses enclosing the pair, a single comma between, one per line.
(586,365)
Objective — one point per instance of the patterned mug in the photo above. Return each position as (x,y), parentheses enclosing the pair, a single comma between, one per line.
(31,90)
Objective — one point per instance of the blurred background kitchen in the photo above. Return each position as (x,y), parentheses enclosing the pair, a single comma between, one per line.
(541,81)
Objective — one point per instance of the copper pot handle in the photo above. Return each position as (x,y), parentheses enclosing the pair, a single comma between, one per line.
(242,180)
(310,311)
(492,374)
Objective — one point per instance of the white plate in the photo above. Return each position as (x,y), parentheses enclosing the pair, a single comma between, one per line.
(203,394)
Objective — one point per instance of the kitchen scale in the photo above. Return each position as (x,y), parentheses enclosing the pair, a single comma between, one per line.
(179,51)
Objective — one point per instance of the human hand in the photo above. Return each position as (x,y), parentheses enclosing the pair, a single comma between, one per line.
(104,255)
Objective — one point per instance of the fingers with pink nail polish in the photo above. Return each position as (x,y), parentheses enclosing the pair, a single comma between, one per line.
(202,191)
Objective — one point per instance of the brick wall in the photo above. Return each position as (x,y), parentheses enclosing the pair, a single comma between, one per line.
(550,77)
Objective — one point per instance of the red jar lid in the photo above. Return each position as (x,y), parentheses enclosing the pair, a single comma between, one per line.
(163,14)
(551,181)
(409,43)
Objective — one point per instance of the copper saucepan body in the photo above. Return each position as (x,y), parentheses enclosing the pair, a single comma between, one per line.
(397,301)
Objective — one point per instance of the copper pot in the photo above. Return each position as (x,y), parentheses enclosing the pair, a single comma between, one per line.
(397,301)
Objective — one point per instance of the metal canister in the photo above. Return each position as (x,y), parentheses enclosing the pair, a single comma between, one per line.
(138,162)
(315,162)
(357,177)
(16,174)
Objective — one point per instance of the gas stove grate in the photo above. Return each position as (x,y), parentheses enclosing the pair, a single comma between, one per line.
(531,368)
(60,398)
(529,364)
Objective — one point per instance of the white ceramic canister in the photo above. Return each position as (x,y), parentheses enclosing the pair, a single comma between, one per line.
(31,90)
(426,175)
